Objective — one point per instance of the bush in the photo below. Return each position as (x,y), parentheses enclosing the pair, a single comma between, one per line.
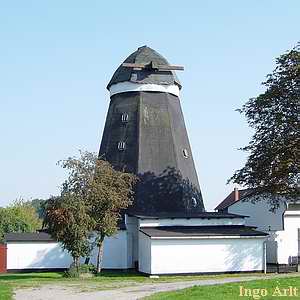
(75,272)
(87,268)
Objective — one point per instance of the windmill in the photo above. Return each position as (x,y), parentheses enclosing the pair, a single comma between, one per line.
(145,134)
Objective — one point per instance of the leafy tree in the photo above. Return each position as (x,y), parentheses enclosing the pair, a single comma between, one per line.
(68,222)
(101,191)
(20,216)
(67,217)
(111,191)
(38,204)
(274,151)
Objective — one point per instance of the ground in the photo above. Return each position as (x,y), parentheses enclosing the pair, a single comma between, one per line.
(128,286)
(271,289)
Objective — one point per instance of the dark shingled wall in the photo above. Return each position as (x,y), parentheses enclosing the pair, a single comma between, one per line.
(116,131)
(155,137)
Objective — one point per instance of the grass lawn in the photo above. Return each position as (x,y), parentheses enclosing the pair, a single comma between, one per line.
(231,291)
(107,280)
(5,292)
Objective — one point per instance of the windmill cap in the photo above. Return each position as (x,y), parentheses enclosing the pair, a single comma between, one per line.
(145,55)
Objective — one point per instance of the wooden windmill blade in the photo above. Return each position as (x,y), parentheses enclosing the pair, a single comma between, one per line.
(154,66)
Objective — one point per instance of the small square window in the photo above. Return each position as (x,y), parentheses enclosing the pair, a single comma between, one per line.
(121,146)
(124,118)
(185,153)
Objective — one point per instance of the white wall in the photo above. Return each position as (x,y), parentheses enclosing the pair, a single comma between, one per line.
(114,252)
(144,253)
(259,214)
(282,226)
(36,255)
(206,255)
(28,255)
(190,222)
(127,86)
(288,248)
(133,237)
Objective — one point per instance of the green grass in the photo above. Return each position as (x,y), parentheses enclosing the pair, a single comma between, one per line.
(231,291)
(10,281)
(107,280)
(5,292)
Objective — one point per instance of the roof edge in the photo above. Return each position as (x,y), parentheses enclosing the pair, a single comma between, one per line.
(213,215)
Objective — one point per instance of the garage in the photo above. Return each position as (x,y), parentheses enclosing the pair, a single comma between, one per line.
(201,249)
(39,251)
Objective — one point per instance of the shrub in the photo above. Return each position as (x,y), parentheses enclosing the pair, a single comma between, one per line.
(75,272)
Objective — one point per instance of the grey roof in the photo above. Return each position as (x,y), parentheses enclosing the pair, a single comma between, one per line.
(202,215)
(144,55)
(28,237)
(198,231)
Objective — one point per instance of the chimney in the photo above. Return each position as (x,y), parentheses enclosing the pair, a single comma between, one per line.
(236,194)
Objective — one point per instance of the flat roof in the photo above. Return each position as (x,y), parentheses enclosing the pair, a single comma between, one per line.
(29,237)
(202,215)
(199,231)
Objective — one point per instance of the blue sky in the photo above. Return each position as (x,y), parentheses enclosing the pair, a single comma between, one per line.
(57,57)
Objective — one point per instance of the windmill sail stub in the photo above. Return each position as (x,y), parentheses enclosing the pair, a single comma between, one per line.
(153,66)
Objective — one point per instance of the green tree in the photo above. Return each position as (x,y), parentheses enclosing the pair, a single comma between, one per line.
(67,221)
(273,165)
(111,191)
(104,191)
(91,201)
(20,216)
(67,217)
(38,204)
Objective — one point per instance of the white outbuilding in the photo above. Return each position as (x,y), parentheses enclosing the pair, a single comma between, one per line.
(282,224)
(203,243)
(39,251)
(207,242)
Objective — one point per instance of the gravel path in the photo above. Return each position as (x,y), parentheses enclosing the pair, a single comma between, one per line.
(56,292)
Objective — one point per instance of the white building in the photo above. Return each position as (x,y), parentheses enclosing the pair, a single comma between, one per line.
(166,244)
(205,243)
(282,225)
(38,251)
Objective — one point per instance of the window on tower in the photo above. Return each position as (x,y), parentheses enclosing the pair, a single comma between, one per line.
(194,202)
(185,153)
(124,117)
(121,146)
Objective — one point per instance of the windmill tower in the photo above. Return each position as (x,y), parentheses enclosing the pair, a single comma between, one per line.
(145,134)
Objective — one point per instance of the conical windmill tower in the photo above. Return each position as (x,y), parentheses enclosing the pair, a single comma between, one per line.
(145,134)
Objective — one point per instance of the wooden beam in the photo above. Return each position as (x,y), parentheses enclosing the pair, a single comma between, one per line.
(132,65)
(150,66)
(171,67)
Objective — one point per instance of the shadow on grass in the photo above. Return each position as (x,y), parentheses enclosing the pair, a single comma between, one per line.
(119,274)
(30,276)
(53,276)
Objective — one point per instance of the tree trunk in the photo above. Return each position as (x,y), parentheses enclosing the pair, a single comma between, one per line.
(100,254)
(76,263)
